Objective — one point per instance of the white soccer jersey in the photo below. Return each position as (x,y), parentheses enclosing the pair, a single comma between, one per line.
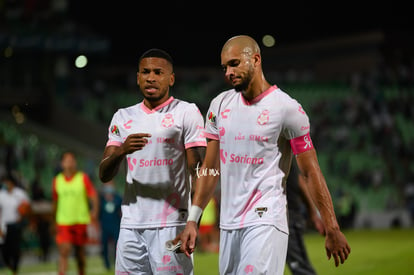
(157,186)
(251,177)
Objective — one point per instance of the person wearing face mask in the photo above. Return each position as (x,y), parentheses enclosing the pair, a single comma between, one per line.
(14,208)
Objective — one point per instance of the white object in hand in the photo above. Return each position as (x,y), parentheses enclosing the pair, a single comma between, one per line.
(173,247)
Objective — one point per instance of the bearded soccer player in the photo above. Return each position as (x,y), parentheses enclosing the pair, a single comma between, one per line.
(253,131)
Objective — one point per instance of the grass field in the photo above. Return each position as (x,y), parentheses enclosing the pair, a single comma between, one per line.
(374,252)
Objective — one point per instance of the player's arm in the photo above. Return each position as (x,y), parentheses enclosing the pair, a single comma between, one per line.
(111,160)
(114,154)
(336,244)
(194,156)
(310,206)
(208,175)
(206,180)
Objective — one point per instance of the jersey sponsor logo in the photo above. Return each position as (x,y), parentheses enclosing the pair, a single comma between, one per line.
(260,211)
(170,268)
(258,138)
(167,121)
(239,137)
(115,130)
(245,159)
(224,113)
(239,159)
(166,259)
(263,118)
(127,125)
(131,163)
(165,140)
(155,162)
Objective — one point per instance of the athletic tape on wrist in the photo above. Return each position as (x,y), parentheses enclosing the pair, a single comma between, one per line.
(195,213)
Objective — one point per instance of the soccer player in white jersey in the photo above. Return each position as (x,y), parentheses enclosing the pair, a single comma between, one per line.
(162,141)
(251,132)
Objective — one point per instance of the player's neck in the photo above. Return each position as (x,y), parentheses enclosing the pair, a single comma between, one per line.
(154,104)
(256,88)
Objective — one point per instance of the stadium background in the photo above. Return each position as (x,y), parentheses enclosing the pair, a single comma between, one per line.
(351,66)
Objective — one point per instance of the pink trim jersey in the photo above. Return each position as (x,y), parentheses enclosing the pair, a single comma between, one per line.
(250,157)
(157,184)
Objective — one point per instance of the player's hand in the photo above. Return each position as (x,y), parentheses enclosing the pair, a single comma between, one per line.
(188,238)
(135,142)
(337,247)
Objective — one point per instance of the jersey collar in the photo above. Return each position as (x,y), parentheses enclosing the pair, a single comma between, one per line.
(150,111)
(259,97)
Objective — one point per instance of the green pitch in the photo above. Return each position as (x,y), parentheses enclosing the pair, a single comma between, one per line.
(374,252)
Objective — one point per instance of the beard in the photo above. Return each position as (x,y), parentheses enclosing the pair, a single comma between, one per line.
(242,86)
(245,81)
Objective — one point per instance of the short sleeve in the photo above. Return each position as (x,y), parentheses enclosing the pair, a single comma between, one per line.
(114,135)
(211,129)
(296,121)
(193,127)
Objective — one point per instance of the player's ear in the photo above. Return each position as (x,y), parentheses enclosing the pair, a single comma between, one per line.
(257,59)
(172,79)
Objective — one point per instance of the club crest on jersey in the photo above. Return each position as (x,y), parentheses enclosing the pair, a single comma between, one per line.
(115,130)
(211,117)
(167,121)
(263,117)
(260,211)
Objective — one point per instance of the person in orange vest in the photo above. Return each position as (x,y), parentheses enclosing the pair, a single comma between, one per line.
(76,205)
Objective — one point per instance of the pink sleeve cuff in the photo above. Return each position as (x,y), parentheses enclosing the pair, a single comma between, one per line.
(211,136)
(113,143)
(196,144)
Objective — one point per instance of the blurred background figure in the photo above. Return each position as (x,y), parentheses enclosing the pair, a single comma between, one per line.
(14,209)
(42,218)
(346,209)
(301,209)
(76,205)
(110,202)
(209,232)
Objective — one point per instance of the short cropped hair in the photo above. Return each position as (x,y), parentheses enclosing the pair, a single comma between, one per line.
(157,53)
